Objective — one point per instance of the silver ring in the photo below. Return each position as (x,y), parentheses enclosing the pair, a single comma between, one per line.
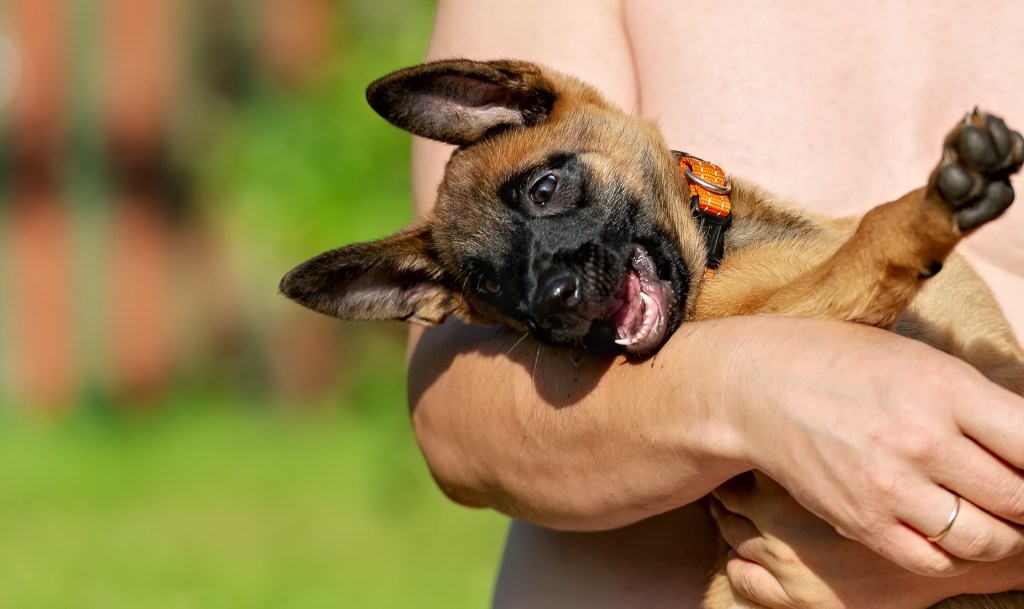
(949,523)
(718,190)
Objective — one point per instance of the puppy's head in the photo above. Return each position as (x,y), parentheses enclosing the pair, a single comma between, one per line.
(557,213)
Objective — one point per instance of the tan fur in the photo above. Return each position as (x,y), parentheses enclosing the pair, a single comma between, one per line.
(870,275)
(509,116)
(866,271)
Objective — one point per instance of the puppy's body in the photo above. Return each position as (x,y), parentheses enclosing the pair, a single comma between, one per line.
(773,247)
(560,215)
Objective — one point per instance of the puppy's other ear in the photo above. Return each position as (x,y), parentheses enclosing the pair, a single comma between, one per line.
(397,278)
(460,101)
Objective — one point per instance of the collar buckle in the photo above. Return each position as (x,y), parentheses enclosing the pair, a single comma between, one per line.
(724,189)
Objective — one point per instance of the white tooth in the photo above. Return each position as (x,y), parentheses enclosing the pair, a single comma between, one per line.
(625,342)
(648,307)
(650,316)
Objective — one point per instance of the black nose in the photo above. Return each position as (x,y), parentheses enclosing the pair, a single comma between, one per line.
(558,293)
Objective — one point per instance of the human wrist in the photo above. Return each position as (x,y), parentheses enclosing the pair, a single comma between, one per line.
(787,379)
(747,349)
(710,390)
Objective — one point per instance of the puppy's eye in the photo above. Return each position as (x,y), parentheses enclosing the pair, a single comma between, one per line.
(491,286)
(543,189)
(487,285)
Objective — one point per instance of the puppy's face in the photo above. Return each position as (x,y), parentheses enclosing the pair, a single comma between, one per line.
(557,214)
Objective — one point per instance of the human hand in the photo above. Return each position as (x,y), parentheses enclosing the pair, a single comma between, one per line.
(785,557)
(868,430)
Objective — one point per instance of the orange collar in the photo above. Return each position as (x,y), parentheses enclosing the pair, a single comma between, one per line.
(709,198)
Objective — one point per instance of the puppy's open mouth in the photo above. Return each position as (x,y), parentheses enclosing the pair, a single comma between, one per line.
(639,310)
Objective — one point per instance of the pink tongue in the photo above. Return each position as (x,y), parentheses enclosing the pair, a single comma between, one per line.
(629,303)
(636,309)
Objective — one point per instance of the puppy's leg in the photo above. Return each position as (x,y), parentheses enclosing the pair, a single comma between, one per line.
(876,273)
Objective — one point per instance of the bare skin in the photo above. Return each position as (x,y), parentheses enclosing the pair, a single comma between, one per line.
(587,446)
(790,558)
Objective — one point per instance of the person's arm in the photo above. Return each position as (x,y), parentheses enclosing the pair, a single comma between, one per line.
(784,558)
(572,442)
(489,432)
(824,407)
(565,440)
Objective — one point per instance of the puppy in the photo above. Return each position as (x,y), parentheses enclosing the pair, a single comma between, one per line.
(562,216)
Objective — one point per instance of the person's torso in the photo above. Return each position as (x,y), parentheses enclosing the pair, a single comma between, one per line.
(836,106)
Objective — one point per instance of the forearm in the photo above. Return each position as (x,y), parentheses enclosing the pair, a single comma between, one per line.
(823,407)
(568,440)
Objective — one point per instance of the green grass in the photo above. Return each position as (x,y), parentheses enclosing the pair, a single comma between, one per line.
(224,508)
(216,496)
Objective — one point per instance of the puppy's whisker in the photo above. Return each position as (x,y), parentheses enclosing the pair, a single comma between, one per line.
(533,375)
(521,339)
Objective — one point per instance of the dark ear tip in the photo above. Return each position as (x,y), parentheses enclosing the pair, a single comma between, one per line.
(375,94)
(383,93)
(289,286)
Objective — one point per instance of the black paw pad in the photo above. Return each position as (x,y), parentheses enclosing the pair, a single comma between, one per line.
(978,149)
(979,157)
(997,198)
(1000,135)
(1017,148)
(955,183)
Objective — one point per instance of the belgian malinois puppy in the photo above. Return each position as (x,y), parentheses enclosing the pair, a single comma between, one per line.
(560,215)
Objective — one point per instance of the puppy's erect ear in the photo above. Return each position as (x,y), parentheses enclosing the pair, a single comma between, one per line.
(397,278)
(460,101)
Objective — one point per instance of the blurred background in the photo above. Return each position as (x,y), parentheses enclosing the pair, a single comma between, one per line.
(173,433)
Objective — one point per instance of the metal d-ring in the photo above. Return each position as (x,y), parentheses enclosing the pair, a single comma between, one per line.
(718,190)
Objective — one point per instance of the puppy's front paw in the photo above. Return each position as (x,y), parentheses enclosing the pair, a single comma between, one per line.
(979,156)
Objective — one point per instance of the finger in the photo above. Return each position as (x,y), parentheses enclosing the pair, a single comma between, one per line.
(922,509)
(979,536)
(736,530)
(997,425)
(754,493)
(900,543)
(748,543)
(756,583)
(976,535)
(908,548)
(989,483)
